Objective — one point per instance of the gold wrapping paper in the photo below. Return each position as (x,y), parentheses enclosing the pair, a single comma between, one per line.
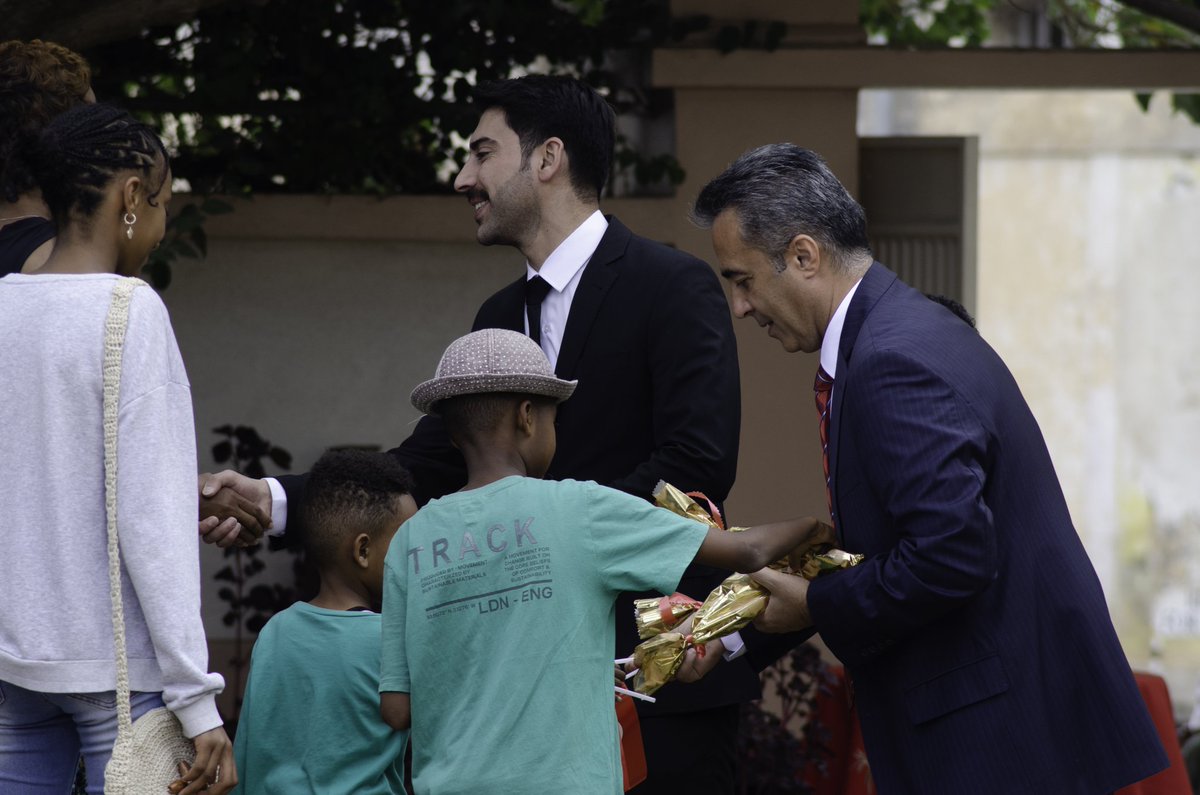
(655,616)
(825,558)
(657,660)
(675,501)
(738,600)
(731,606)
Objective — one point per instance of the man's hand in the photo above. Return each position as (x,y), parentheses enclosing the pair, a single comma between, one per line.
(214,771)
(694,667)
(822,535)
(233,508)
(787,609)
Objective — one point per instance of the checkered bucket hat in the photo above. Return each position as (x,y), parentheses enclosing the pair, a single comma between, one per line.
(491,360)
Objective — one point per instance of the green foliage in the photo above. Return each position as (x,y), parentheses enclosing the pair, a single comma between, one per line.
(927,23)
(1077,23)
(1188,104)
(360,96)
(1090,23)
(185,237)
(369,96)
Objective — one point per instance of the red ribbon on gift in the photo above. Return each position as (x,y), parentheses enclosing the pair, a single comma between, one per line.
(667,602)
(713,510)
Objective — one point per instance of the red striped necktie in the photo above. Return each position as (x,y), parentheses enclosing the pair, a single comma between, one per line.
(823,391)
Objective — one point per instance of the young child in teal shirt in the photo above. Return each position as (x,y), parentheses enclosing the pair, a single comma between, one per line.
(310,721)
(498,617)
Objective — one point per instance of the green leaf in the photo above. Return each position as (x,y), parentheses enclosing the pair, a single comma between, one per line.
(1188,104)
(222,451)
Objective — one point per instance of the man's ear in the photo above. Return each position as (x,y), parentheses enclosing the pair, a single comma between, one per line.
(550,159)
(804,255)
(362,550)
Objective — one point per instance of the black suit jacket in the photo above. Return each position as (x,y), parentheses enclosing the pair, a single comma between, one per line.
(650,339)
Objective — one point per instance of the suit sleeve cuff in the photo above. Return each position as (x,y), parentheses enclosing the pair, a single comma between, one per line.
(278,508)
(734,646)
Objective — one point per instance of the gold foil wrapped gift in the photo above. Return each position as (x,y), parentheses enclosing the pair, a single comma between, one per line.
(667,496)
(825,558)
(734,603)
(657,660)
(655,616)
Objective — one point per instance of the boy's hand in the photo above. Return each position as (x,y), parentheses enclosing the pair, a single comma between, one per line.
(822,535)
(694,667)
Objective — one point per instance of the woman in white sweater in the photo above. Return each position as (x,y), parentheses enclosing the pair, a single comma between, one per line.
(106,180)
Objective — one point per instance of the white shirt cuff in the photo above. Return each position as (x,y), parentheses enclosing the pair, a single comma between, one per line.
(278,508)
(734,646)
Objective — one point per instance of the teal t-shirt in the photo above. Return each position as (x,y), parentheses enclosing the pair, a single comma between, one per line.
(499,620)
(310,718)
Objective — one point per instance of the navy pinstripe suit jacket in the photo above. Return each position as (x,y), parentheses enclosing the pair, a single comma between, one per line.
(976,632)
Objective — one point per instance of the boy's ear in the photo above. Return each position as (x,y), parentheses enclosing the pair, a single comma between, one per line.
(362,550)
(525,417)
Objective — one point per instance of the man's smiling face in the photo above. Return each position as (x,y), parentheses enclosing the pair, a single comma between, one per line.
(499,184)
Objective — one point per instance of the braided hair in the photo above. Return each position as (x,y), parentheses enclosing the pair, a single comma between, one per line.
(38,81)
(83,150)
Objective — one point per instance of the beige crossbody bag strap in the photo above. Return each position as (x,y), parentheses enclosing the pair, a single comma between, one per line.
(114,343)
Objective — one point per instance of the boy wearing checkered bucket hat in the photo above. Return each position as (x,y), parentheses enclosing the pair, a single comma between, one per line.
(498,613)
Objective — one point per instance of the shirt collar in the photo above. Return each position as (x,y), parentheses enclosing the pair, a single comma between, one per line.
(572,254)
(833,334)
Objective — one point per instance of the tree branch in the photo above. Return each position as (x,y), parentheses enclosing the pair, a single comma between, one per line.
(81,24)
(1183,14)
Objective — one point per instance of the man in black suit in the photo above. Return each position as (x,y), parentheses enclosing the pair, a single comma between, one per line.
(644,328)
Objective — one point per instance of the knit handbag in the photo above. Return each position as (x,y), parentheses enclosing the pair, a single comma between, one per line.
(146,754)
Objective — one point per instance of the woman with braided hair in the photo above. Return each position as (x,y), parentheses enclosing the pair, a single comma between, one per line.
(106,181)
(38,81)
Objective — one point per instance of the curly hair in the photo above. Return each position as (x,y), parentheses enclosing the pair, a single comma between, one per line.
(38,81)
(349,492)
(83,150)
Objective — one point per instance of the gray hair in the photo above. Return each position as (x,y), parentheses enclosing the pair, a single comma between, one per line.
(779,191)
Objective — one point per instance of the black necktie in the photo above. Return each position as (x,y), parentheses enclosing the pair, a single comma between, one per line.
(535,292)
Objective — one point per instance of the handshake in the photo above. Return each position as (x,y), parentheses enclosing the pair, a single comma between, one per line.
(234,508)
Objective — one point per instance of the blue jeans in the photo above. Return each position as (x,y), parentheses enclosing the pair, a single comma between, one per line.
(42,736)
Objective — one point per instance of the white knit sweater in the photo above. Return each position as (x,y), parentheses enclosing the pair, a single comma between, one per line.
(55,615)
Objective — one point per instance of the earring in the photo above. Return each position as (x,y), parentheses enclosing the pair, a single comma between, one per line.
(130,219)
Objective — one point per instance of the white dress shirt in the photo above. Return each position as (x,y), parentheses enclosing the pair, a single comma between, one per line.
(832,340)
(562,271)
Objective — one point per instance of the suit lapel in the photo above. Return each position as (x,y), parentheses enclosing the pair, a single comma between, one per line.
(874,284)
(597,277)
(506,310)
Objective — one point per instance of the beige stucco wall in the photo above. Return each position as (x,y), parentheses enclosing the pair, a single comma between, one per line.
(1088,276)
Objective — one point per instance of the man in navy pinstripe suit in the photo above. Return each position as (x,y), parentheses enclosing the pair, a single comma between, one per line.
(976,633)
